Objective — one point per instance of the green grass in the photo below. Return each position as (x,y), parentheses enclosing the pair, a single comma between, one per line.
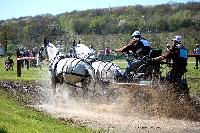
(16,118)
(31,74)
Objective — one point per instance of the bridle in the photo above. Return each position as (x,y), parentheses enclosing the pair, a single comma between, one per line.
(41,53)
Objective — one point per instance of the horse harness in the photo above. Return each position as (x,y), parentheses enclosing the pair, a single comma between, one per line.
(52,61)
(106,71)
(75,66)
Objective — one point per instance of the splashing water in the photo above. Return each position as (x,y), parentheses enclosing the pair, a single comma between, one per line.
(122,109)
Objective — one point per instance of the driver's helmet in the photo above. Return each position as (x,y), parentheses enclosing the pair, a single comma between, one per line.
(8,57)
(136,34)
(178,39)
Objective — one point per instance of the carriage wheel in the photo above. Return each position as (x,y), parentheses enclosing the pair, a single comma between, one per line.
(145,72)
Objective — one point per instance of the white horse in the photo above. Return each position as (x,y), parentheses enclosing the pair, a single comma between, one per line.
(105,71)
(82,51)
(67,70)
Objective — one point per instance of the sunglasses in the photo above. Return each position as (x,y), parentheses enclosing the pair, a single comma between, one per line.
(136,36)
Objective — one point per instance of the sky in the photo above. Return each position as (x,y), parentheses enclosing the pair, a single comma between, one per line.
(21,8)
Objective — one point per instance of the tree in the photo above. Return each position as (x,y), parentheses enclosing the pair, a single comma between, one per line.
(5,36)
(97,25)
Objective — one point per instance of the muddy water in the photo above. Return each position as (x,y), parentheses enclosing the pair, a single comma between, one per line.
(139,109)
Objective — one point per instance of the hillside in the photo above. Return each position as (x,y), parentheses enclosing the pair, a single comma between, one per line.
(109,26)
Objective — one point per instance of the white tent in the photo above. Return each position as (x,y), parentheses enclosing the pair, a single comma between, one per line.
(1,50)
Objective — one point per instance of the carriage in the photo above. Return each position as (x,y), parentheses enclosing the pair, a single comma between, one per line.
(143,70)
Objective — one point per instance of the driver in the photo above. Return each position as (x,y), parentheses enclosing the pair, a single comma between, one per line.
(139,46)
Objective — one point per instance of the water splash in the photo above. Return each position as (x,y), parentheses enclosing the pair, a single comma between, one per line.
(138,109)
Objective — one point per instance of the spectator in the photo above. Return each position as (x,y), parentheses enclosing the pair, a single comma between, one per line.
(9,64)
(21,55)
(197,51)
(33,53)
(101,54)
(93,49)
(26,54)
(108,50)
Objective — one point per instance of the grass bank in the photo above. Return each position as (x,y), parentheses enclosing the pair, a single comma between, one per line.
(17,118)
(26,74)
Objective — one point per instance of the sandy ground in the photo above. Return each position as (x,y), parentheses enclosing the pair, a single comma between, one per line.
(105,117)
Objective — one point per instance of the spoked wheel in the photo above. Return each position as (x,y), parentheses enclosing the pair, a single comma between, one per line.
(144,72)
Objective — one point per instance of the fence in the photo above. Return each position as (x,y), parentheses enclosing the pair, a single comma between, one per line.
(19,62)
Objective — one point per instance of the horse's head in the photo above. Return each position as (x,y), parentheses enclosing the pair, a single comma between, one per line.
(42,54)
(118,74)
(48,50)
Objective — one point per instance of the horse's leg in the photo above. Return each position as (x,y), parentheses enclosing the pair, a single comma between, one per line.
(53,87)
(85,84)
(72,91)
(40,65)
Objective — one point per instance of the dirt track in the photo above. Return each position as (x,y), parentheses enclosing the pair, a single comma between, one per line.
(118,114)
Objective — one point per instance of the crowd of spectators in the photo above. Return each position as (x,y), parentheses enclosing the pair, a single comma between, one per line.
(24,52)
(105,53)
